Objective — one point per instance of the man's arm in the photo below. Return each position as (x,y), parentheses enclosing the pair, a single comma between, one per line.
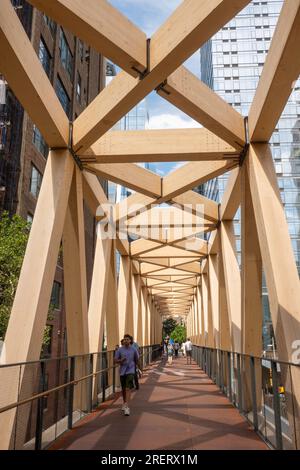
(118,359)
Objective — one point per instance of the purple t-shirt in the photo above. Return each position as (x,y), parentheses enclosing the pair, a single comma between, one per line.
(131,355)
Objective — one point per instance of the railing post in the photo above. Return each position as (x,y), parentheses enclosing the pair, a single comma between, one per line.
(253,393)
(114,379)
(103,385)
(71,393)
(89,384)
(239,383)
(276,401)
(229,388)
(40,408)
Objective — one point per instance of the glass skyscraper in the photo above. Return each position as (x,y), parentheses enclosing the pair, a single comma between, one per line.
(231,64)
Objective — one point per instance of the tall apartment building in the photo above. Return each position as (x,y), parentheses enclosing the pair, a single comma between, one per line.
(77,74)
(231,64)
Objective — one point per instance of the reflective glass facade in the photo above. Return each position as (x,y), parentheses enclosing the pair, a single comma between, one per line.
(231,64)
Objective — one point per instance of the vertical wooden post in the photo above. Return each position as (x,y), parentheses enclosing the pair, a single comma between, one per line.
(30,308)
(205,308)
(125,297)
(232,282)
(214,298)
(279,264)
(251,278)
(75,285)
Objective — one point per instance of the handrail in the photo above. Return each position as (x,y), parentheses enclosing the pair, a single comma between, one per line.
(67,384)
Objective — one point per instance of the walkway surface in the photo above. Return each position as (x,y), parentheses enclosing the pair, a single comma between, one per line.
(177,407)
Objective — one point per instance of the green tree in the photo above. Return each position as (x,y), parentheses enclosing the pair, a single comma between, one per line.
(179,334)
(14,232)
(168,326)
(13,239)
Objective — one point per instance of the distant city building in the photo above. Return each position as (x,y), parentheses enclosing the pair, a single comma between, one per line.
(231,64)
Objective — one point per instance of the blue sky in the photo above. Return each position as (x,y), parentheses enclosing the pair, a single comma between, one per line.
(148,15)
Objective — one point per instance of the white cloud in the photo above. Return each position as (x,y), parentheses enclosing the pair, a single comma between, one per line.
(171,121)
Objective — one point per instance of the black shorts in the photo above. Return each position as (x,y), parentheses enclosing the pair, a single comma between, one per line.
(188,353)
(127,381)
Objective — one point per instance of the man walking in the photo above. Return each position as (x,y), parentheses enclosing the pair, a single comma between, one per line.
(128,358)
(188,350)
(176,348)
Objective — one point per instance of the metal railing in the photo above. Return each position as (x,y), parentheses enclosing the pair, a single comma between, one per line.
(45,398)
(261,388)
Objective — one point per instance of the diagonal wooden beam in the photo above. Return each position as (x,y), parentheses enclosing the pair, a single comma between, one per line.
(232,195)
(158,145)
(191,175)
(103,27)
(190,26)
(129,175)
(281,70)
(198,204)
(185,91)
(23,71)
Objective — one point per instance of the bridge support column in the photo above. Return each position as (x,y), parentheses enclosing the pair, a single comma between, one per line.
(112,311)
(28,317)
(125,297)
(280,269)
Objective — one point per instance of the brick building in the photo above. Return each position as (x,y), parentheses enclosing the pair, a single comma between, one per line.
(77,74)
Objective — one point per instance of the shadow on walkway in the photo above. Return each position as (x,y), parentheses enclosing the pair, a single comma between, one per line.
(177,407)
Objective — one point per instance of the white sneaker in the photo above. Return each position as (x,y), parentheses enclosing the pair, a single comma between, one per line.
(124,406)
(126,411)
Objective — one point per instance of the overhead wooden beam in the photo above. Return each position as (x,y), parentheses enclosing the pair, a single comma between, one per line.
(141,246)
(190,95)
(193,245)
(280,72)
(103,27)
(129,175)
(191,175)
(190,26)
(159,145)
(93,192)
(25,75)
(166,252)
(198,204)
(232,196)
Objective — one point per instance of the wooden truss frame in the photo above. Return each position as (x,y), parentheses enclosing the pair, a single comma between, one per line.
(158,275)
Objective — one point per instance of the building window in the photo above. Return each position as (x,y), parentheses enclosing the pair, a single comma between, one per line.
(63,96)
(78,88)
(55,295)
(39,142)
(35,181)
(45,57)
(51,25)
(65,54)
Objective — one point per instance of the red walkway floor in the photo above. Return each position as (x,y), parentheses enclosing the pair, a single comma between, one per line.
(177,407)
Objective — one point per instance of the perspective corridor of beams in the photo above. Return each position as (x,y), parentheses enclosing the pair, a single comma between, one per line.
(164,272)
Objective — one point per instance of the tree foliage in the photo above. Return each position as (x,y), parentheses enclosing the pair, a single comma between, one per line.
(168,326)
(14,233)
(13,239)
(179,334)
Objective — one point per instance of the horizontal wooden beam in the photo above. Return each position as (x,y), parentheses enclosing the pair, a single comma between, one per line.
(159,145)
(129,175)
(185,91)
(281,70)
(165,252)
(25,75)
(191,25)
(191,175)
(103,27)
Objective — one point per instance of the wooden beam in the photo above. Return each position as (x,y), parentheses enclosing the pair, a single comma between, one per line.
(276,250)
(102,27)
(213,277)
(141,246)
(191,175)
(171,45)
(125,297)
(31,303)
(187,29)
(166,252)
(129,175)
(232,282)
(232,196)
(193,245)
(25,75)
(75,283)
(159,145)
(185,91)
(280,72)
(198,204)
(93,192)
